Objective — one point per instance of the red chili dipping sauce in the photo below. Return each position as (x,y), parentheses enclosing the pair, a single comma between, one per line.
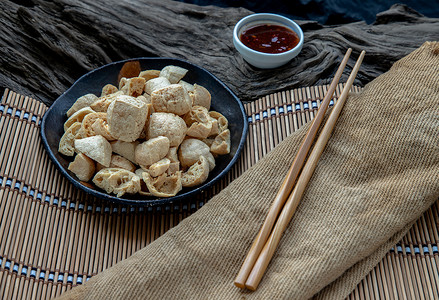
(269,38)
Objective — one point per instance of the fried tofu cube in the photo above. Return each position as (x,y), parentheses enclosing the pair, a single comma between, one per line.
(160,167)
(190,152)
(221,144)
(67,142)
(143,188)
(172,154)
(109,89)
(122,82)
(100,127)
(134,86)
(164,185)
(151,151)
(121,162)
(215,127)
(125,149)
(96,147)
(81,102)
(149,74)
(169,125)
(196,174)
(117,181)
(201,96)
(89,120)
(187,86)
(77,117)
(155,84)
(126,118)
(173,168)
(173,73)
(172,99)
(197,114)
(102,103)
(223,123)
(200,130)
(199,122)
(83,167)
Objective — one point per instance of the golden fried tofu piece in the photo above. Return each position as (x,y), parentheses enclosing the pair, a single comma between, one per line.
(221,144)
(164,185)
(199,122)
(172,154)
(81,102)
(109,89)
(160,167)
(187,86)
(197,114)
(199,130)
(88,121)
(151,151)
(155,84)
(100,127)
(173,168)
(83,167)
(143,188)
(125,149)
(200,96)
(121,162)
(117,181)
(122,82)
(149,74)
(102,103)
(215,127)
(223,124)
(172,99)
(196,174)
(173,73)
(96,147)
(134,86)
(126,118)
(190,152)
(67,141)
(169,125)
(77,117)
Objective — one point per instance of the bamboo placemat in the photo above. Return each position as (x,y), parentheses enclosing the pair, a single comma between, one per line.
(53,236)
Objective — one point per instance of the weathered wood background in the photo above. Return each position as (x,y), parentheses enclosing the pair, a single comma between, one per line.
(47,45)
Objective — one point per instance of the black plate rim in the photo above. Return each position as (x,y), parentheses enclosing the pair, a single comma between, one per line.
(146,202)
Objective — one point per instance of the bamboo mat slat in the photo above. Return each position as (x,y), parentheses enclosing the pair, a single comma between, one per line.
(54,237)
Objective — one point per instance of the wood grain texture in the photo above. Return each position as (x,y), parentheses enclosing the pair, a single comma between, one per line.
(47,45)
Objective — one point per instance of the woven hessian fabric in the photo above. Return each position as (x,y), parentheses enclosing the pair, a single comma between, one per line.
(378,173)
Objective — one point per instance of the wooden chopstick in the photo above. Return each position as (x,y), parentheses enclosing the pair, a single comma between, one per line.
(289,180)
(295,197)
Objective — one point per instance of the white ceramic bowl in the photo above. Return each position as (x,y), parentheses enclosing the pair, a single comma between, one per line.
(260,59)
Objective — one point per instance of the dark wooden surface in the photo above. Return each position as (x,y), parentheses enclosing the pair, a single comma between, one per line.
(47,45)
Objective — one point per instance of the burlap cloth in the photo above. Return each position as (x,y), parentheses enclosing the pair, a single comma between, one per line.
(378,173)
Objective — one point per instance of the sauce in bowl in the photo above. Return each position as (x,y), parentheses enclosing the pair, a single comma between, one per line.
(269,38)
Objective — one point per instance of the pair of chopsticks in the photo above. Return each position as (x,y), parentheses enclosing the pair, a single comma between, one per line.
(287,199)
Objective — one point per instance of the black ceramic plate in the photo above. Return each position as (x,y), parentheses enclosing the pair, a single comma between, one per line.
(223,101)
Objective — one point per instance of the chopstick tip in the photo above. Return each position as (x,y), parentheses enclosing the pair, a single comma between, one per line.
(239,284)
(251,287)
